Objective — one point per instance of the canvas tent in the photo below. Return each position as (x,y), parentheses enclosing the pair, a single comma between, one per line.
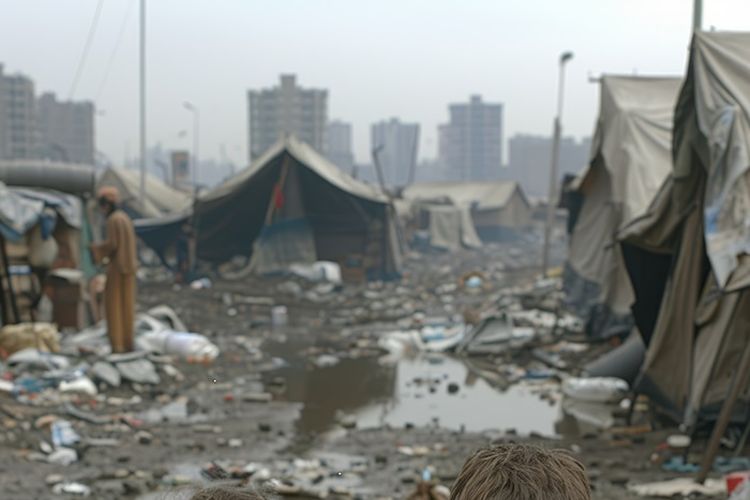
(630,158)
(161,199)
(293,206)
(699,224)
(496,209)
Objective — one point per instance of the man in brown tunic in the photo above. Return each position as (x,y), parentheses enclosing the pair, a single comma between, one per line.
(118,252)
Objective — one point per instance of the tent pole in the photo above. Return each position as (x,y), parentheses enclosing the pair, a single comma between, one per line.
(722,422)
(3,306)
(6,272)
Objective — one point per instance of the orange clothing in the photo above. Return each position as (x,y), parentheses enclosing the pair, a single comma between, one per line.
(119,294)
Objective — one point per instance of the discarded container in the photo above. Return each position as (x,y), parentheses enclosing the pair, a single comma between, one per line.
(678,443)
(279,316)
(191,346)
(596,389)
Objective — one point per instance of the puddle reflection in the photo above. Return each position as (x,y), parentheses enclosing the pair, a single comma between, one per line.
(411,391)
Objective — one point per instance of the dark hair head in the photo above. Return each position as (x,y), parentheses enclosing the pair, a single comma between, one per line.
(521,472)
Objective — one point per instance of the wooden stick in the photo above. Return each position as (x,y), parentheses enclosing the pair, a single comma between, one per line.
(726,413)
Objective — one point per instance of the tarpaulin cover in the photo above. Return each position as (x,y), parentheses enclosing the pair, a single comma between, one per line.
(17,214)
(700,218)
(630,158)
(451,228)
(21,209)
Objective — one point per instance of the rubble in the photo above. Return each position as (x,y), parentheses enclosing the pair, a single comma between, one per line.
(173,403)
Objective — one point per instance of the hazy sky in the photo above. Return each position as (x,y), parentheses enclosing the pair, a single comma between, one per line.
(405,58)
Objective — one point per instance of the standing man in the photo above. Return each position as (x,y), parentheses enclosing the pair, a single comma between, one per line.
(118,253)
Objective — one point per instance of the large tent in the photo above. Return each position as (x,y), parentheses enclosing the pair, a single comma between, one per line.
(497,209)
(293,206)
(699,325)
(630,158)
(161,199)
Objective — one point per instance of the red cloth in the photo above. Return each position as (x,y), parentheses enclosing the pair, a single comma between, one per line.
(278,197)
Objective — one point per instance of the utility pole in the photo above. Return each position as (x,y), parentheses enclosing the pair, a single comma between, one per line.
(552,194)
(196,141)
(697,15)
(142,193)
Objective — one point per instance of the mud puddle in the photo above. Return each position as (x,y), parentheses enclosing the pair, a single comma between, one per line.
(425,390)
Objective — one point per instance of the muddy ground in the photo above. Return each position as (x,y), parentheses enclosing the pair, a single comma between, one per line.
(212,413)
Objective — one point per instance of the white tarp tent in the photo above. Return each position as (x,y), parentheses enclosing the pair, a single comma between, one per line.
(492,207)
(161,199)
(630,158)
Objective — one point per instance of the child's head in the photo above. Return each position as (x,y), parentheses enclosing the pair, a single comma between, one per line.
(225,492)
(521,472)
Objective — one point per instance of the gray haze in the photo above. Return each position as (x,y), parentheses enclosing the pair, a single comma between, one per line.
(378,59)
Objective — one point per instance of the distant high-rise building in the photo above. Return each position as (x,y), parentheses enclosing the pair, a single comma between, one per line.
(397,144)
(66,130)
(530,157)
(471,143)
(339,145)
(286,109)
(17,112)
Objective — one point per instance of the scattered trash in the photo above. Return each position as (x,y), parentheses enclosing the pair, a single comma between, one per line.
(683,486)
(738,485)
(63,456)
(63,434)
(40,336)
(318,271)
(326,360)
(279,316)
(189,346)
(596,390)
(495,335)
(76,489)
(201,284)
(81,385)
(107,373)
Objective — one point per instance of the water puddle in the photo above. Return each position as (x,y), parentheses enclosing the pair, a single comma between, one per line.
(432,389)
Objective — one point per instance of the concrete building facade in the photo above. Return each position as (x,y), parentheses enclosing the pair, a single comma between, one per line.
(339,145)
(66,130)
(286,109)
(398,147)
(530,156)
(470,144)
(17,117)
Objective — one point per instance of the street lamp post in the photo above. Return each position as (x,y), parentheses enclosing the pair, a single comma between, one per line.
(552,194)
(142,187)
(196,129)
